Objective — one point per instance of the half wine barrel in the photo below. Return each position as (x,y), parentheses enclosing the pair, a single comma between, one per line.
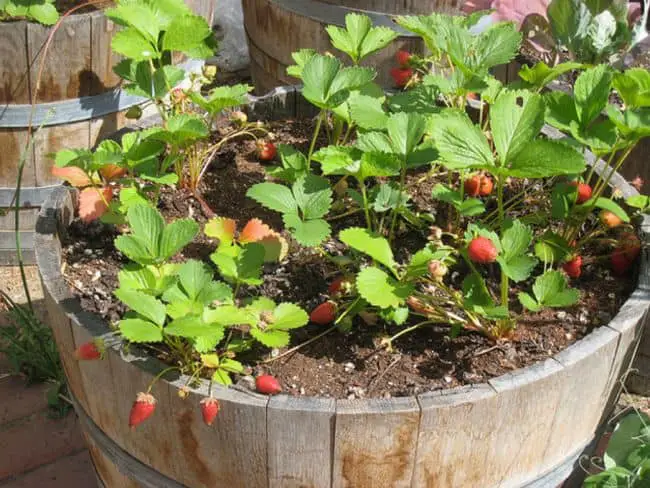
(79,103)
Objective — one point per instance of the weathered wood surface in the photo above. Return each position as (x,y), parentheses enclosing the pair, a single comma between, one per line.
(274,33)
(375,442)
(14,72)
(300,431)
(403,7)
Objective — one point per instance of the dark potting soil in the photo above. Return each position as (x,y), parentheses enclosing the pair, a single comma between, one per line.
(352,365)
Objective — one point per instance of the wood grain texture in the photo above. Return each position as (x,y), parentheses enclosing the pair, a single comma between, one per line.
(300,441)
(374,442)
(14,72)
(586,370)
(630,322)
(107,472)
(233,451)
(455,431)
(26,221)
(52,139)
(67,71)
(522,418)
(103,58)
(12,142)
(402,7)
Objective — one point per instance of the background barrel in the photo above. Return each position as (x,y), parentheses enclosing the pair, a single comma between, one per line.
(277,28)
(79,103)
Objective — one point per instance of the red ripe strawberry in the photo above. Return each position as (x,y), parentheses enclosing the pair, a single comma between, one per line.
(339,286)
(620,263)
(266,150)
(609,219)
(403,57)
(573,268)
(401,76)
(324,314)
(209,410)
(142,409)
(482,250)
(584,191)
(630,246)
(90,351)
(267,385)
(486,186)
(472,186)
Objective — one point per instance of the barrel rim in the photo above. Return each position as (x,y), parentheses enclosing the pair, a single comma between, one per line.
(58,212)
(23,23)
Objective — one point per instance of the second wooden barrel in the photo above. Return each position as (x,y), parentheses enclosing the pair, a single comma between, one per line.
(79,103)
(277,28)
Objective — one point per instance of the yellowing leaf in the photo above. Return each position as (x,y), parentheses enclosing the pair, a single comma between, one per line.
(73,175)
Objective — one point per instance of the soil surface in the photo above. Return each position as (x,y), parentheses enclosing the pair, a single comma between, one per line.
(352,365)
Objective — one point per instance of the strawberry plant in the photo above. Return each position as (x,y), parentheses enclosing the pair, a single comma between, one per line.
(41,11)
(183,307)
(152,31)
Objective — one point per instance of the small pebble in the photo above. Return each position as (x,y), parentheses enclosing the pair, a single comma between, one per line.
(561,315)
(88,252)
(96,276)
(448,379)
(302,390)
(275,353)
(349,367)
(569,336)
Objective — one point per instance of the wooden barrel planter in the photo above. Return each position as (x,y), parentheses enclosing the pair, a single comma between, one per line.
(79,103)
(277,28)
(524,429)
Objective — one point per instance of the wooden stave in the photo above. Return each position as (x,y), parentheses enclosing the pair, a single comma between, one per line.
(615,341)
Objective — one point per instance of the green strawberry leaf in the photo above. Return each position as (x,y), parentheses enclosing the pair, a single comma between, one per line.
(138,330)
(544,158)
(380,290)
(516,118)
(461,144)
(377,247)
(143,304)
(289,316)
(309,233)
(271,338)
(274,197)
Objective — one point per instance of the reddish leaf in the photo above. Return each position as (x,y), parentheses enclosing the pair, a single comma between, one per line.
(221,228)
(112,172)
(254,231)
(275,247)
(73,175)
(91,204)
